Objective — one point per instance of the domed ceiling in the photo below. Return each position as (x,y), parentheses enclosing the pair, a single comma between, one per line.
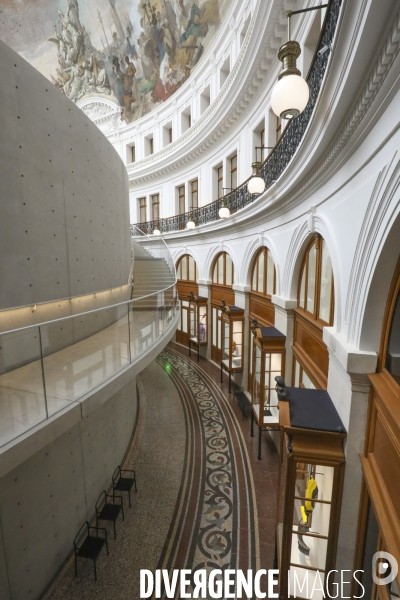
(136,53)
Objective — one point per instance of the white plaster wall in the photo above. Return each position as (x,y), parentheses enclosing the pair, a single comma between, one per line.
(46,498)
(64,220)
(355,205)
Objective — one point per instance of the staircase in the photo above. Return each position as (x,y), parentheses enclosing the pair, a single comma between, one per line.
(150,275)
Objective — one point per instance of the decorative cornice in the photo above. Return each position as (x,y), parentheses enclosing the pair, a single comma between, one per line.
(257,73)
(101,112)
(378,73)
(348,356)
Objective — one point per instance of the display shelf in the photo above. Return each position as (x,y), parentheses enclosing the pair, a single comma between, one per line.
(268,355)
(198,322)
(232,327)
(310,484)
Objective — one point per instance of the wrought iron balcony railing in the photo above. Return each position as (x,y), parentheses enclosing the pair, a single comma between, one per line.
(280,156)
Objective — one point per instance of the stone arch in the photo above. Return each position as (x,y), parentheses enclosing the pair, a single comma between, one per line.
(178,254)
(374,262)
(264,240)
(301,238)
(213,255)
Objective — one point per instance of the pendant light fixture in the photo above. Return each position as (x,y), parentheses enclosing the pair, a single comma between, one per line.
(291,93)
(191,224)
(224,211)
(256,184)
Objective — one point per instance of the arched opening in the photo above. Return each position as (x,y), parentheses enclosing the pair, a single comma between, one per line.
(223,276)
(263,286)
(186,273)
(379,523)
(315,310)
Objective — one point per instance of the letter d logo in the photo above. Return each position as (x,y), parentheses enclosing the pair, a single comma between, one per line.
(389,566)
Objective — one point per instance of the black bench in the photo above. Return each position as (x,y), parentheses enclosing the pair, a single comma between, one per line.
(243,402)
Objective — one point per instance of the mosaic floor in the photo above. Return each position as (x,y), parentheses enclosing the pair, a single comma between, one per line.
(203,501)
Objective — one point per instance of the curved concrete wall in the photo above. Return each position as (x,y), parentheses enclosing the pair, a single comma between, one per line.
(46,498)
(64,220)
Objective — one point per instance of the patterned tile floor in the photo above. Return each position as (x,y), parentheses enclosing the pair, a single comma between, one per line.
(198,478)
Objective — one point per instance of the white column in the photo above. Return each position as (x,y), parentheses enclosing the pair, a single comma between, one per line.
(205,291)
(349,388)
(284,322)
(242,299)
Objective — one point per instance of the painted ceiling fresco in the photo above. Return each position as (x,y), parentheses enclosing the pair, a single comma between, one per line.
(134,52)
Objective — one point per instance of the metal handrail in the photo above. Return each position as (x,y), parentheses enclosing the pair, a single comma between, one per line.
(87,312)
(36,344)
(283,152)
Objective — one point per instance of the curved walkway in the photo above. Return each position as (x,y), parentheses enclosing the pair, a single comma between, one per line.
(196,504)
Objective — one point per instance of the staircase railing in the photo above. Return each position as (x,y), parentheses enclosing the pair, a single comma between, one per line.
(155,246)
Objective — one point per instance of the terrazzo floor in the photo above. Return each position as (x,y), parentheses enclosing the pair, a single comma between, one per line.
(204,500)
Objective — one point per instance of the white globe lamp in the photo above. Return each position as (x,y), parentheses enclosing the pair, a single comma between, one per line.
(256,184)
(290,96)
(156,232)
(224,211)
(190,224)
(291,93)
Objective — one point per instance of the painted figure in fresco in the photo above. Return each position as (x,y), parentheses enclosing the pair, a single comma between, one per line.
(193,26)
(128,80)
(80,72)
(73,13)
(139,72)
(148,66)
(73,87)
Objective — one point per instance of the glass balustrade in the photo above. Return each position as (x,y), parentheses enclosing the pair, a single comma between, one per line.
(45,368)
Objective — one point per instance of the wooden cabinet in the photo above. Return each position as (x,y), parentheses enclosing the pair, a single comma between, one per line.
(310,492)
(198,322)
(232,332)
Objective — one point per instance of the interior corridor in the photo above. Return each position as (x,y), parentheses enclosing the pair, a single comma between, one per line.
(203,500)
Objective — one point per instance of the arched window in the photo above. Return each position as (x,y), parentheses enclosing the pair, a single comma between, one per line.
(263,286)
(263,279)
(315,293)
(315,311)
(186,273)
(223,277)
(186,269)
(223,270)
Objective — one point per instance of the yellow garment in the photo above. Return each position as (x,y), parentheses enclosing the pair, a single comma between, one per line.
(304,516)
(310,489)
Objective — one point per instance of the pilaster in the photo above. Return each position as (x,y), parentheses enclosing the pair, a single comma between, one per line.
(284,321)
(242,299)
(205,291)
(349,388)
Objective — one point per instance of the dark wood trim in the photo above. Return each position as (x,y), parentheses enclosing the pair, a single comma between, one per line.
(315,359)
(361,532)
(316,240)
(387,318)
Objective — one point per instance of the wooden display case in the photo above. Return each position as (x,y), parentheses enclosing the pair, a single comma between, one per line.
(309,491)
(198,322)
(232,332)
(268,363)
